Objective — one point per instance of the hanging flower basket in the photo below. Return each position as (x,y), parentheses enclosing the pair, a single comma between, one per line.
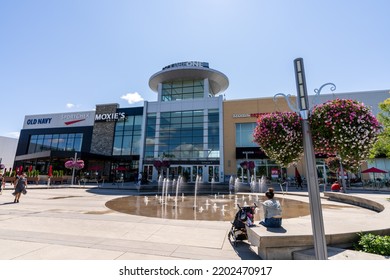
(78,164)
(344,127)
(279,135)
(244,164)
(161,164)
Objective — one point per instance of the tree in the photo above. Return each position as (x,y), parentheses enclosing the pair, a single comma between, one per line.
(382,146)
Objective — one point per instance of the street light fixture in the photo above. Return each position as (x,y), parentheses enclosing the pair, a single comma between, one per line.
(311,168)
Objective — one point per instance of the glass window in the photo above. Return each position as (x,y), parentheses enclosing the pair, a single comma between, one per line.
(126,130)
(78,140)
(244,135)
(126,146)
(55,140)
(117,145)
(191,89)
(39,147)
(62,142)
(33,144)
(135,148)
(70,142)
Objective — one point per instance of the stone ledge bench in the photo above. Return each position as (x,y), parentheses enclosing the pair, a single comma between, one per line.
(296,234)
(354,200)
(280,243)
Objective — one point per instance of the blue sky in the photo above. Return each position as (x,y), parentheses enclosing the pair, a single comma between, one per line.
(65,56)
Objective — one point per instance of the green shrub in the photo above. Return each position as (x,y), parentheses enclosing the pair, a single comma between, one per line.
(374,244)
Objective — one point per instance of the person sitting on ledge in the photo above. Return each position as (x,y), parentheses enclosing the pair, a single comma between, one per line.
(335,187)
(272,211)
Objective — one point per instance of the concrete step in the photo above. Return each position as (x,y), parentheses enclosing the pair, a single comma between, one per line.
(337,254)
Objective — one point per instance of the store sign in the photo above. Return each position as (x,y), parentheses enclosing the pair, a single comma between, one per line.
(252,115)
(70,119)
(59,120)
(188,64)
(39,121)
(274,173)
(110,117)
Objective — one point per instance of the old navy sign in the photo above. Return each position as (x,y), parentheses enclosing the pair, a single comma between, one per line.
(59,120)
(110,117)
(39,121)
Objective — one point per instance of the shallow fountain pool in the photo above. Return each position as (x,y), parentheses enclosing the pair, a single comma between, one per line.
(211,208)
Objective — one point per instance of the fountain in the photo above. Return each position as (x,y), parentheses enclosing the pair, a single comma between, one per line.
(159,183)
(215,207)
(253,184)
(197,180)
(263,184)
(178,184)
(236,185)
(188,209)
(231,184)
(163,190)
(166,189)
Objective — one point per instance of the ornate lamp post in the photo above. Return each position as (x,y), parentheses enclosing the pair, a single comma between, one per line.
(312,179)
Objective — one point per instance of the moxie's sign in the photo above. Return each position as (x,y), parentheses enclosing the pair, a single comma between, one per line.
(109,117)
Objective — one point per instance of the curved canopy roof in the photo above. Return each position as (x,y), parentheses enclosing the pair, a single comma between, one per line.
(217,80)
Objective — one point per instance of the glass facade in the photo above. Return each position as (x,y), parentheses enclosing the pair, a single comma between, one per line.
(150,135)
(244,135)
(127,137)
(180,90)
(181,135)
(55,142)
(213,134)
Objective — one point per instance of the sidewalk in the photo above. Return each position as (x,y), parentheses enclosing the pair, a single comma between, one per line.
(72,222)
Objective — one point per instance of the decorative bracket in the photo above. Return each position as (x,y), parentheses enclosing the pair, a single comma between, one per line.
(318,91)
(293,107)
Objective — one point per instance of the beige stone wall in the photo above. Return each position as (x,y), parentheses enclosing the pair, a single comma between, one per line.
(237,111)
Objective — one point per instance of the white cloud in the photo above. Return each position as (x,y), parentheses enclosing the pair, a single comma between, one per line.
(132,97)
(70,105)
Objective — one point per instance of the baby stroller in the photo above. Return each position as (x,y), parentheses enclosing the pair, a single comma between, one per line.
(244,216)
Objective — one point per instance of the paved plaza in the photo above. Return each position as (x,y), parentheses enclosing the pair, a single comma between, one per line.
(64,222)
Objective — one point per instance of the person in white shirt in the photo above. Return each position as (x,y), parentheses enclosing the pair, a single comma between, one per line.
(272,211)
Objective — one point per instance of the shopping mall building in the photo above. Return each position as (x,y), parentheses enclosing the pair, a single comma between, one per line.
(190,130)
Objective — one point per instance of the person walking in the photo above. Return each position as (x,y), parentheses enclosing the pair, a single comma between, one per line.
(20,187)
(2,183)
(299,182)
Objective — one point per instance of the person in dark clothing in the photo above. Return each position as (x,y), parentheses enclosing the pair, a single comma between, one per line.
(299,182)
(20,187)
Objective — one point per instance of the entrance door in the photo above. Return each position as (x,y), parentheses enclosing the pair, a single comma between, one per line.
(322,174)
(213,173)
(197,170)
(173,172)
(148,170)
